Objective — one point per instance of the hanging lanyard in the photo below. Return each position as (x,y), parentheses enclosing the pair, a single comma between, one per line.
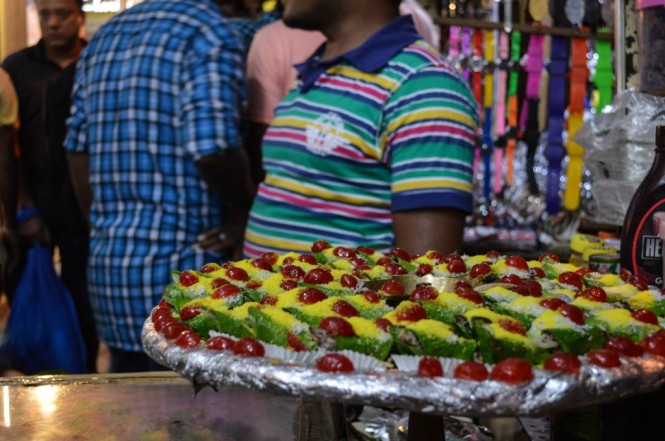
(604,76)
(467,34)
(578,81)
(477,66)
(538,9)
(534,68)
(513,83)
(453,44)
(500,79)
(529,115)
(555,151)
(488,101)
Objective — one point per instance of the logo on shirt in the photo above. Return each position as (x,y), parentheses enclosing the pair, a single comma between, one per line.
(325,134)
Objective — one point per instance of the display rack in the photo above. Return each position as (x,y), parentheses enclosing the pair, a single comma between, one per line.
(525,28)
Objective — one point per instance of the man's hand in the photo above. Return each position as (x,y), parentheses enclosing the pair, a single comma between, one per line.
(229,237)
(10,240)
(34,231)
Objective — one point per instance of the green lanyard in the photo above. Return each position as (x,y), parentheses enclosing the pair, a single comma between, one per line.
(604,76)
(513,122)
(515,48)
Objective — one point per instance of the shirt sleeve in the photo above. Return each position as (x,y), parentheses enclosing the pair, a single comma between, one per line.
(430,125)
(8,101)
(213,94)
(77,134)
(267,77)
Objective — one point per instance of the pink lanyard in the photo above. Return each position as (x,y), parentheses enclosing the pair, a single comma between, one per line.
(500,111)
(534,68)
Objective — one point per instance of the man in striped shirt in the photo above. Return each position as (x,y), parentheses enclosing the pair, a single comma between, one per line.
(374,146)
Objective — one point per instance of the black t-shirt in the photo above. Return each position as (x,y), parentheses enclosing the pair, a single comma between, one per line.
(43,90)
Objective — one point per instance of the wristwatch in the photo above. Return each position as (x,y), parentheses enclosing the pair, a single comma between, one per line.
(453,57)
(488,102)
(574,11)
(477,66)
(500,80)
(512,110)
(555,152)
(579,75)
(607,13)
(529,116)
(603,77)
(558,13)
(592,16)
(538,9)
(467,36)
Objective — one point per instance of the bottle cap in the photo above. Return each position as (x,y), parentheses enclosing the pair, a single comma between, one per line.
(612,242)
(581,241)
(591,251)
(604,235)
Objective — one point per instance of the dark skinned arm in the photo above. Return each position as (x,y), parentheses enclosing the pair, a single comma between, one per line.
(229,176)
(79,169)
(253,142)
(14,192)
(9,193)
(418,231)
(8,178)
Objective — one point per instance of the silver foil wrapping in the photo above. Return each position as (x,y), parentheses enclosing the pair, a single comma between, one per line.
(547,392)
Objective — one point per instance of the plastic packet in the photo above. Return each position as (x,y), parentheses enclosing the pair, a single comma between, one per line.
(619,143)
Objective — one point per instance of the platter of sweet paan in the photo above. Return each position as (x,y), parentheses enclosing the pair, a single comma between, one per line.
(474,335)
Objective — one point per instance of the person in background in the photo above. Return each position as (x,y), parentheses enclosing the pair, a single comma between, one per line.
(373,146)
(247,18)
(50,213)
(235,8)
(423,22)
(8,176)
(155,149)
(273,54)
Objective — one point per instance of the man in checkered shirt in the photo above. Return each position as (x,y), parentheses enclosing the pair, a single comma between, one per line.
(155,151)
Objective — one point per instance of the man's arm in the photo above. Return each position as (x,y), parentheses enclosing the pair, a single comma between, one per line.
(229,176)
(79,169)
(253,143)
(440,229)
(8,178)
(432,173)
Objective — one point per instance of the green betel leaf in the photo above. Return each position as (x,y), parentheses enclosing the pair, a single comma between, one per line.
(576,342)
(371,347)
(203,323)
(494,349)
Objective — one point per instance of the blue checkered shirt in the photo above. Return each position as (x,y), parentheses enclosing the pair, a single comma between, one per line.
(248,27)
(157,88)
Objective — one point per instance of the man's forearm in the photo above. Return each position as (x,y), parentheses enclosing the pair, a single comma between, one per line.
(255,134)
(418,231)
(8,178)
(230,177)
(79,169)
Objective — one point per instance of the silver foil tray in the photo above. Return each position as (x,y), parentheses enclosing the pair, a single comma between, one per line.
(548,392)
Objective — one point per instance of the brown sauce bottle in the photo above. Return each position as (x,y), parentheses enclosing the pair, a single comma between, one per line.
(641,246)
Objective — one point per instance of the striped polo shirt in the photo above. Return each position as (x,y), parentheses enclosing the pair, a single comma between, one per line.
(386,127)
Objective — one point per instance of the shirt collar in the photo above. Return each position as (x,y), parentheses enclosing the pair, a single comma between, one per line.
(38,51)
(371,56)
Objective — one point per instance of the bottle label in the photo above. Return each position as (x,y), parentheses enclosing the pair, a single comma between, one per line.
(605,263)
(646,248)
